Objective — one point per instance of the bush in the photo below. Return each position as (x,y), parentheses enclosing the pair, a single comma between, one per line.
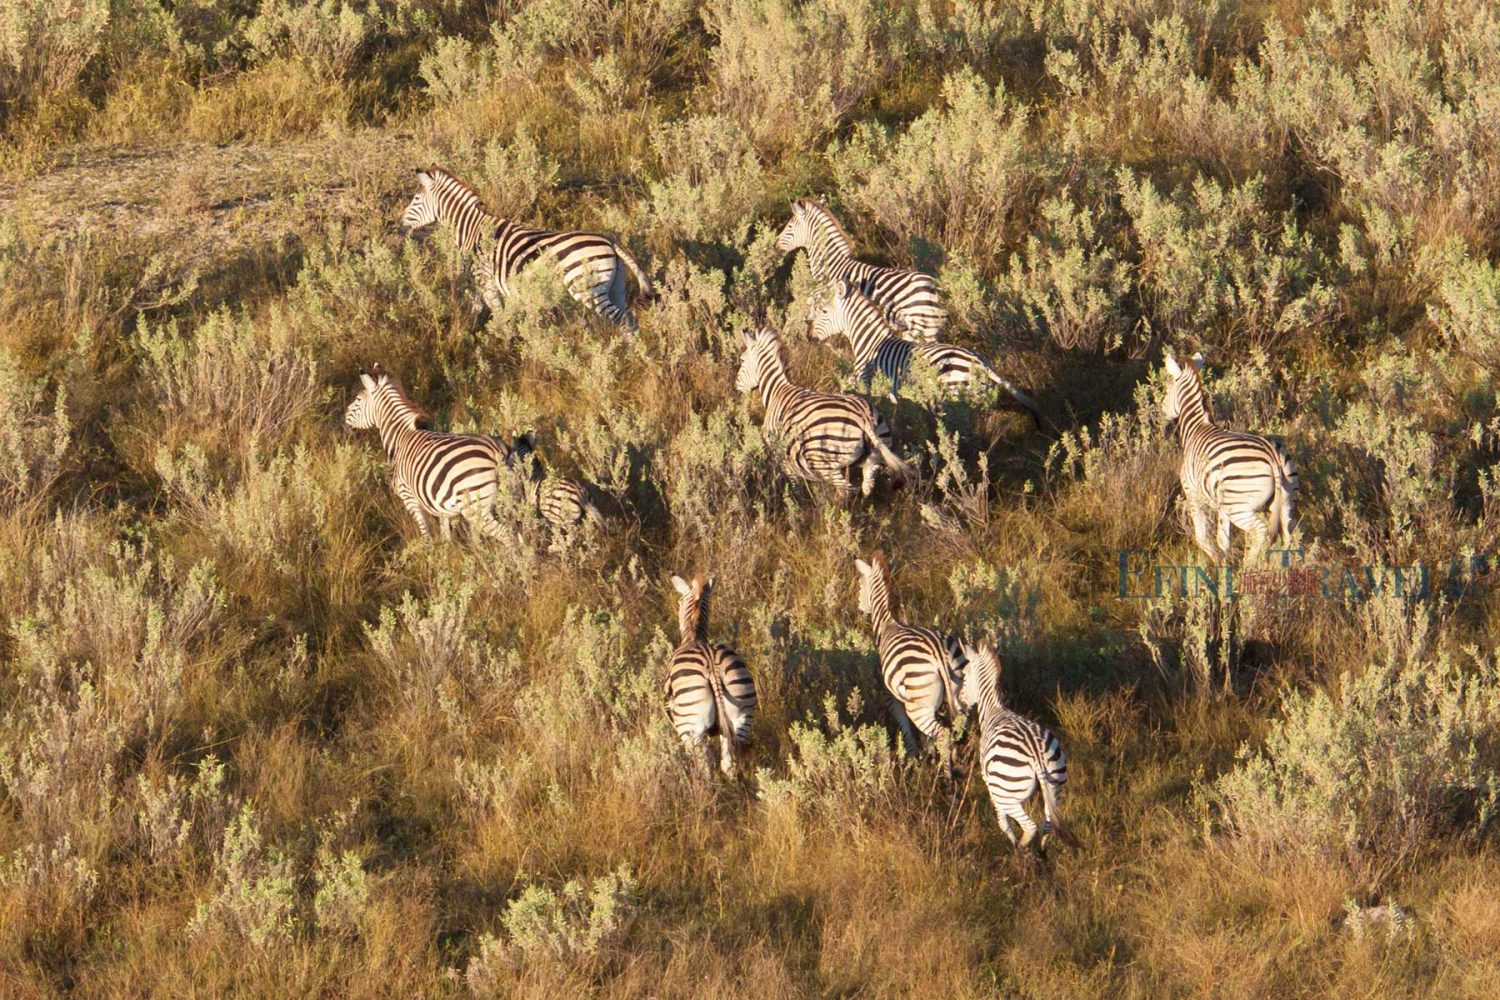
(1209,262)
(789,73)
(45,46)
(960,175)
(34,443)
(576,926)
(1403,750)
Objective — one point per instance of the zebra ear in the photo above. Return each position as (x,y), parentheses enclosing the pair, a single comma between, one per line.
(1198,360)
(844,289)
(424,178)
(1173,368)
(681,586)
(865,569)
(708,586)
(368,381)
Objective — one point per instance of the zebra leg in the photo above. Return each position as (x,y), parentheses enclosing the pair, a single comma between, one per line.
(446,524)
(903,721)
(1002,816)
(870,473)
(726,753)
(1017,812)
(1223,535)
(1200,526)
(619,296)
(1251,524)
(413,508)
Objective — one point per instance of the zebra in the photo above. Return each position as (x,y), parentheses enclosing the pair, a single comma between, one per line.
(445,476)
(910,298)
(1016,755)
(1235,476)
(589,263)
(826,433)
(878,349)
(709,690)
(922,668)
(562,503)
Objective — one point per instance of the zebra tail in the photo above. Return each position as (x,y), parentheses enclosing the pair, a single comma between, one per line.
(892,461)
(1026,402)
(648,290)
(721,706)
(1053,812)
(1281,505)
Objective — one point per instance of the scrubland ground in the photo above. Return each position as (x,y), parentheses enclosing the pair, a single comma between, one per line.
(258,738)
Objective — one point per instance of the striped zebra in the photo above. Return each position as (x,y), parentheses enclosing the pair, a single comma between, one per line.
(826,434)
(562,503)
(910,298)
(446,476)
(590,264)
(1017,755)
(878,349)
(709,690)
(922,668)
(1231,475)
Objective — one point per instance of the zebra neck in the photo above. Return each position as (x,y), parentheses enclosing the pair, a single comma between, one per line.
(471,228)
(880,613)
(773,384)
(693,624)
(1193,415)
(394,434)
(824,254)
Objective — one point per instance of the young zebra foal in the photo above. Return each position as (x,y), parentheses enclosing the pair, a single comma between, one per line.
(562,503)
(1016,754)
(709,690)
(445,476)
(592,266)
(878,349)
(922,667)
(826,434)
(1230,475)
(910,298)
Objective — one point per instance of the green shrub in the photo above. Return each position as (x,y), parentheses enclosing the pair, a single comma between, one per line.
(1404,749)
(959,175)
(790,73)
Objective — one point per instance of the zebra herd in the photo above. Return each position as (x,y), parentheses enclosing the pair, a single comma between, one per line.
(892,319)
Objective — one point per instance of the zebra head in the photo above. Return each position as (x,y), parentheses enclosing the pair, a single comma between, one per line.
(692,607)
(828,316)
(361,415)
(981,676)
(524,447)
(422,210)
(874,583)
(762,355)
(795,235)
(1184,377)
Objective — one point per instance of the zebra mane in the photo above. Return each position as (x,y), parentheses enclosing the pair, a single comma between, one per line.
(840,233)
(887,580)
(452,183)
(421,419)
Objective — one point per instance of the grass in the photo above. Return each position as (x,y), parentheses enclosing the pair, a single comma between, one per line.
(257,737)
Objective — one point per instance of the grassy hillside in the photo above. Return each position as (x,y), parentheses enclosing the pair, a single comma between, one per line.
(258,738)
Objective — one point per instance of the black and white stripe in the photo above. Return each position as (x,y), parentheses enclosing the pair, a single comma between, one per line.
(446,476)
(1235,477)
(910,298)
(878,350)
(1016,755)
(562,503)
(709,690)
(826,434)
(922,668)
(592,266)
